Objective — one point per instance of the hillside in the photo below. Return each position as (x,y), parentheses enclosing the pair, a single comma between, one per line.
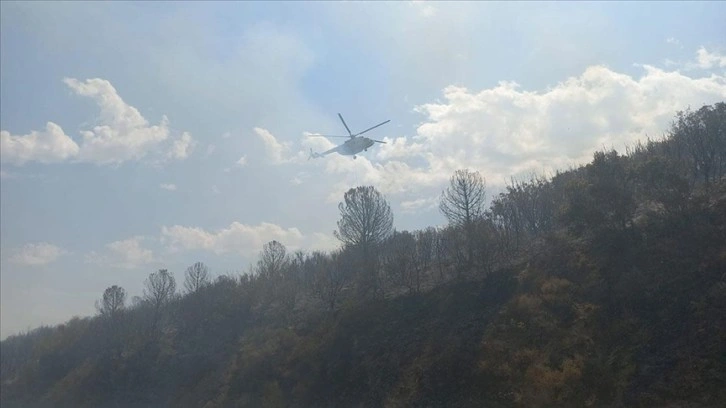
(603,285)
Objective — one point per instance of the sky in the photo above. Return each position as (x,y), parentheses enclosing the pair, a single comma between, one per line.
(144,135)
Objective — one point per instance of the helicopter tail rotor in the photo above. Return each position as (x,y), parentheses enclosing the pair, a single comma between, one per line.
(314,155)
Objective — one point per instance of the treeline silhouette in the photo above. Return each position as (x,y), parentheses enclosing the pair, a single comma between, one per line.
(603,285)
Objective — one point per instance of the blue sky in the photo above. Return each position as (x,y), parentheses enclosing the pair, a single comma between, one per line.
(196,119)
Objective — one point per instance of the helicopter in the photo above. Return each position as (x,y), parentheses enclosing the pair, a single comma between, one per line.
(354,145)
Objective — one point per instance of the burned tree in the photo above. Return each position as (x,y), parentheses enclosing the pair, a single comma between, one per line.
(329,276)
(159,291)
(463,202)
(273,260)
(196,277)
(365,221)
(113,302)
(365,218)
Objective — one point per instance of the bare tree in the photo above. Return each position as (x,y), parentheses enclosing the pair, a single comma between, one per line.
(365,217)
(366,220)
(196,277)
(329,276)
(425,251)
(113,303)
(160,287)
(441,256)
(159,290)
(273,260)
(463,203)
(400,261)
(277,275)
(703,134)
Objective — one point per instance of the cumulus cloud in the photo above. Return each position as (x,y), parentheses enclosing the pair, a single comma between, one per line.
(37,254)
(122,134)
(708,59)
(124,254)
(51,145)
(183,147)
(245,240)
(507,131)
(277,152)
(168,187)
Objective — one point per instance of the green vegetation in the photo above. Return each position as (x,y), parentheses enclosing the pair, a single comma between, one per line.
(603,285)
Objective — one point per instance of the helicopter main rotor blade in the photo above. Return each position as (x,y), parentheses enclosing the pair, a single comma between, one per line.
(347,137)
(344,124)
(380,124)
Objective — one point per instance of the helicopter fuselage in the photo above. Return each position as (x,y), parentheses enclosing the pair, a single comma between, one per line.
(354,146)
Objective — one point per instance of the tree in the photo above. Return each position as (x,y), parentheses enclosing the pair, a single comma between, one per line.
(196,277)
(273,260)
(703,134)
(159,290)
(425,250)
(160,287)
(365,218)
(463,203)
(365,221)
(113,303)
(277,274)
(400,261)
(329,276)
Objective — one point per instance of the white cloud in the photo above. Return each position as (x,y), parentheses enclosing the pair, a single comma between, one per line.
(420,205)
(37,254)
(277,152)
(210,149)
(322,242)
(169,187)
(241,162)
(124,254)
(506,131)
(215,189)
(121,134)
(708,59)
(49,146)
(182,147)
(245,240)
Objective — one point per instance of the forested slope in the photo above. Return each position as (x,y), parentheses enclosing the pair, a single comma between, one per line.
(603,285)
